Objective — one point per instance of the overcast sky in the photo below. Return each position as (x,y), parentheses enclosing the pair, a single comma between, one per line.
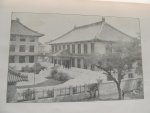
(54,25)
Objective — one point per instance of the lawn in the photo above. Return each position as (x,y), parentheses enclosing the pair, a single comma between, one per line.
(49,82)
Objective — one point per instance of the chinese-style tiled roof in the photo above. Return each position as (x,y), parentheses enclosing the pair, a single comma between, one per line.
(14,76)
(17,28)
(99,30)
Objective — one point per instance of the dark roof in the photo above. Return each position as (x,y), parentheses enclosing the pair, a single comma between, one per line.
(99,30)
(17,28)
(14,76)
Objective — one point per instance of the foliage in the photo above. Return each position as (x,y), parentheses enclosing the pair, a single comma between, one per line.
(36,68)
(59,75)
(119,61)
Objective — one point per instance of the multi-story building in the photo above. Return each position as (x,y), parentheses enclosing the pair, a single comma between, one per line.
(72,48)
(23,43)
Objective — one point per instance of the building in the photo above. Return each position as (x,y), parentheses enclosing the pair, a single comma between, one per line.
(12,79)
(72,48)
(23,43)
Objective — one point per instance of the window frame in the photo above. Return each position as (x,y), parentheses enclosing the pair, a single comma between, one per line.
(21,40)
(79,48)
(12,46)
(31,49)
(85,48)
(24,50)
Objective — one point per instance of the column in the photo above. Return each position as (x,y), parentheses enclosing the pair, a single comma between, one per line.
(75,62)
(35,59)
(16,59)
(82,63)
(26,59)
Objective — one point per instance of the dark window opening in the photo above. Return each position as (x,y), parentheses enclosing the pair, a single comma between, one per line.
(12,48)
(21,59)
(92,47)
(31,48)
(68,48)
(78,63)
(73,62)
(85,48)
(22,48)
(13,39)
(79,48)
(11,59)
(31,59)
(22,39)
(73,48)
(32,40)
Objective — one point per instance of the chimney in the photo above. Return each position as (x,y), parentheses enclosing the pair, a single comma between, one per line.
(103,19)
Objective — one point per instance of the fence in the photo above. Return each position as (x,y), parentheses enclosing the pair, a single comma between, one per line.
(103,90)
(29,95)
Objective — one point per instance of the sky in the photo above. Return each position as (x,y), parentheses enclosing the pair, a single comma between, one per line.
(55,25)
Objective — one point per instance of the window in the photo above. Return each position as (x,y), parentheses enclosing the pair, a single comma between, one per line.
(59,62)
(85,64)
(68,48)
(31,59)
(22,39)
(12,48)
(59,47)
(22,48)
(13,39)
(92,47)
(73,62)
(52,48)
(130,75)
(31,49)
(73,48)
(21,59)
(32,40)
(78,63)
(11,59)
(79,48)
(55,48)
(64,46)
(108,48)
(55,61)
(85,48)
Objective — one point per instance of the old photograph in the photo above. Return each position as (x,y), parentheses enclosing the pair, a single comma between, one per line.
(74,58)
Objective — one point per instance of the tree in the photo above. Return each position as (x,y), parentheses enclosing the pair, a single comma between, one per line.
(119,62)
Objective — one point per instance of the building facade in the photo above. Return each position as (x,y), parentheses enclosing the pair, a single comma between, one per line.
(72,48)
(23,43)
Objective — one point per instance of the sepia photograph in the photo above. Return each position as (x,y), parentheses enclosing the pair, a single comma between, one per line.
(56,57)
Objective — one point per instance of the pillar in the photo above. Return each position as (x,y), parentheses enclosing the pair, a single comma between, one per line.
(16,59)
(35,59)
(26,59)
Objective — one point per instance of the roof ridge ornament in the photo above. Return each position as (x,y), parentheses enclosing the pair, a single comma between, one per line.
(103,19)
(17,19)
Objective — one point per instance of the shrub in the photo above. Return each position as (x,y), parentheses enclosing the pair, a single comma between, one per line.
(36,68)
(54,72)
(59,75)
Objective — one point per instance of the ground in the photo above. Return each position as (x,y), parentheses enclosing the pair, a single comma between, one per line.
(49,82)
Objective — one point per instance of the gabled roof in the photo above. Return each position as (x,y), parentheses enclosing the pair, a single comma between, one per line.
(17,28)
(14,76)
(99,30)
